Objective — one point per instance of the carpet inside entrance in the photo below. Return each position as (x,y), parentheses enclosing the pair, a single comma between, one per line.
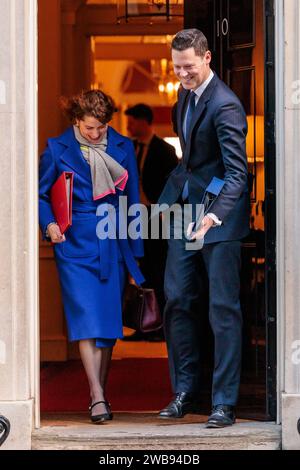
(135,384)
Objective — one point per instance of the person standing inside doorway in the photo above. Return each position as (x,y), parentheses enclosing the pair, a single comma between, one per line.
(156,159)
(212,127)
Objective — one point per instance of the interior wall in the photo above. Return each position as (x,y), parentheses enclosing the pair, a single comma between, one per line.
(49,72)
(52,330)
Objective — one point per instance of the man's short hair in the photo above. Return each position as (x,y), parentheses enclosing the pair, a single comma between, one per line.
(187,38)
(140,111)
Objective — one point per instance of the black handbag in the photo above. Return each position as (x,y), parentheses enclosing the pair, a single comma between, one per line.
(141,311)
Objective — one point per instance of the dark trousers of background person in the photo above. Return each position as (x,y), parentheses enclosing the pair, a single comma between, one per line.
(153,264)
(183,269)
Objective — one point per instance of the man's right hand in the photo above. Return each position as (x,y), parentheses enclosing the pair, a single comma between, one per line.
(55,234)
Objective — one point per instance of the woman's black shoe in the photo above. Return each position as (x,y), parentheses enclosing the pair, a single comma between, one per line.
(102,417)
(108,407)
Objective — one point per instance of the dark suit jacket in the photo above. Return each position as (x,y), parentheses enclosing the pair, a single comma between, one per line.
(215,146)
(159,162)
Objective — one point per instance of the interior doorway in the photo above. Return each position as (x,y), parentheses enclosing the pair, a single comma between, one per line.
(86,49)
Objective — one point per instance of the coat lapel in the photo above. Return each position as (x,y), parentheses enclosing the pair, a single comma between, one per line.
(199,111)
(182,101)
(114,150)
(72,155)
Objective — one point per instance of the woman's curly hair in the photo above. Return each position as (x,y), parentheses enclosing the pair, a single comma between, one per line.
(94,103)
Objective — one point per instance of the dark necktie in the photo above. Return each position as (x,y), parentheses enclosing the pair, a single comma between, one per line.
(139,155)
(190,112)
(189,116)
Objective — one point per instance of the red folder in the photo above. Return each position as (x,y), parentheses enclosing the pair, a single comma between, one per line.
(61,200)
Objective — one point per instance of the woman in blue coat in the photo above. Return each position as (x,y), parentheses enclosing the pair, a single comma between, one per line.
(92,268)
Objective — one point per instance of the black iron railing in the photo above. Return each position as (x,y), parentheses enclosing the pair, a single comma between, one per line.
(4,429)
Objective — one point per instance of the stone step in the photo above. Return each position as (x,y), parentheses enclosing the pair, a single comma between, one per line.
(140,431)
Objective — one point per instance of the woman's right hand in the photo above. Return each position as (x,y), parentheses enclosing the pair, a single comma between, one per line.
(55,234)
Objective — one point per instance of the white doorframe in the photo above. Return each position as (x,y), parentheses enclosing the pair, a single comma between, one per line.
(280,201)
(31,155)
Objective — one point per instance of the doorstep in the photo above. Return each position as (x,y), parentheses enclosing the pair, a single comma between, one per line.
(144,431)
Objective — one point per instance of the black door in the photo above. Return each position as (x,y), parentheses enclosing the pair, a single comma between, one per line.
(241,38)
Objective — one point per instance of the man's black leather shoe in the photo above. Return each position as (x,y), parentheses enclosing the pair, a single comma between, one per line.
(179,407)
(221,416)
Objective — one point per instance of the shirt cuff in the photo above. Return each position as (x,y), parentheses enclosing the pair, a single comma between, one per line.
(216,221)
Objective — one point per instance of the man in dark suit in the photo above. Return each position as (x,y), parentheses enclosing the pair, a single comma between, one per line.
(156,159)
(212,127)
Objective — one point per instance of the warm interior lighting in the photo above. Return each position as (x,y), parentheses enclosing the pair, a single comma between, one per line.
(161,3)
(153,9)
(162,72)
(170,87)
(255,139)
(176,144)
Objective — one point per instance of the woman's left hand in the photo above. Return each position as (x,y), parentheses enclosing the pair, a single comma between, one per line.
(55,234)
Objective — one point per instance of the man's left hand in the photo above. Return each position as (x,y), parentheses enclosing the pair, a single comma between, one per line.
(206,224)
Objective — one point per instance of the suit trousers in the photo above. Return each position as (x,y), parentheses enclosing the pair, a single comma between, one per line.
(153,263)
(219,263)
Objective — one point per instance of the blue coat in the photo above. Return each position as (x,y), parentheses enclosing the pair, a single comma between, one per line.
(92,271)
